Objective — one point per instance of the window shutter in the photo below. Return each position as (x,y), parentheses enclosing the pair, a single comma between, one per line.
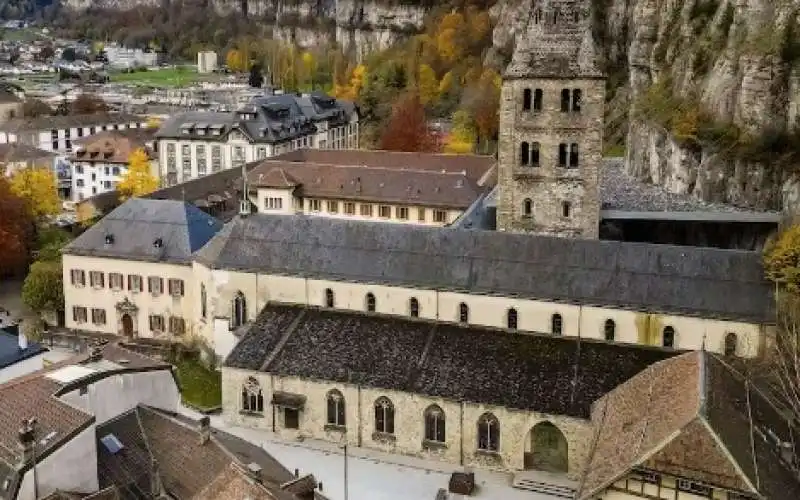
(150,288)
(181,284)
(170,287)
(151,323)
(130,282)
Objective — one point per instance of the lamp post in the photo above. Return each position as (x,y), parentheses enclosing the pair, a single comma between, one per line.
(345,467)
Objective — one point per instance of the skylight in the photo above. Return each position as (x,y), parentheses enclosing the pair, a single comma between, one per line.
(112,444)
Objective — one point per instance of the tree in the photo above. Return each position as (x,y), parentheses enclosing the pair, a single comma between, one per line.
(427,84)
(153,122)
(138,180)
(16,229)
(256,78)
(34,108)
(43,289)
(309,65)
(407,129)
(50,240)
(462,137)
(782,259)
(88,104)
(38,186)
(68,54)
(235,61)
(450,37)
(483,101)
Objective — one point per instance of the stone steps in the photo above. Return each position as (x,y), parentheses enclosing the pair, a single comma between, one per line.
(554,490)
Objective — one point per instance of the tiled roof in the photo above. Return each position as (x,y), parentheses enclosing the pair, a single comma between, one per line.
(655,278)
(136,226)
(554,375)
(113,146)
(69,121)
(10,353)
(694,417)
(15,151)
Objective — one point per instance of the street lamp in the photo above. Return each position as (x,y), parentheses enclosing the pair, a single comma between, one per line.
(345,466)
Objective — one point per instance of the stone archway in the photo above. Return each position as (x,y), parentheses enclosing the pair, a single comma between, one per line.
(546,449)
(127,325)
(127,312)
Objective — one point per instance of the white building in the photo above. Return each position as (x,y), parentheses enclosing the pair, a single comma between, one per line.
(206,61)
(125,58)
(196,144)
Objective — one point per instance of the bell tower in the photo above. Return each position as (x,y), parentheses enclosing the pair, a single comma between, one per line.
(551,126)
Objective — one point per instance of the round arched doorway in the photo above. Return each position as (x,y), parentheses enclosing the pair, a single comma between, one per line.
(127,325)
(546,449)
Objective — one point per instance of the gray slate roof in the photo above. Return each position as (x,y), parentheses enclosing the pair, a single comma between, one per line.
(10,353)
(138,223)
(658,278)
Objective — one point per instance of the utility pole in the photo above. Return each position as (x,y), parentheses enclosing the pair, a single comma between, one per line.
(345,469)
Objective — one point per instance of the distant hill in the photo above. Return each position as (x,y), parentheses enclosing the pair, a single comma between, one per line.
(28,9)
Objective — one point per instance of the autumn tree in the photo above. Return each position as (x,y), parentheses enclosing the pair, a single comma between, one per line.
(427,84)
(462,136)
(235,61)
(16,229)
(407,129)
(483,102)
(308,64)
(450,37)
(88,104)
(138,180)
(38,186)
(43,289)
(153,123)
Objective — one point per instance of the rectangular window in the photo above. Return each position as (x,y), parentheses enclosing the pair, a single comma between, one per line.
(216,158)
(421,214)
(134,283)
(273,203)
(96,279)
(366,210)
(115,281)
(98,316)
(692,487)
(439,216)
(349,208)
(402,213)
(177,326)
(171,161)
(78,277)
(156,323)
(186,161)
(200,152)
(155,285)
(79,314)
(238,156)
(314,205)
(333,207)
(577,97)
(115,170)
(261,153)
(175,287)
(385,211)
(291,418)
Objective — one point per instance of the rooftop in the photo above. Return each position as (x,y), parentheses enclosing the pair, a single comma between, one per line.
(669,279)
(13,152)
(553,375)
(10,352)
(113,146)
(69,121)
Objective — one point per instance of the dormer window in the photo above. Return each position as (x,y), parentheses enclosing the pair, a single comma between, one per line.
(109,239)
(158,243)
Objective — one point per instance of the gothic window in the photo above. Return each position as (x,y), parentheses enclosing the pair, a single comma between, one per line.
(537,16)
(573,155)
(534,154)
(562,155)
(203,300)
(511,319)
(556,14)
(463,313)
(329,297)
(434,424)
(556,324)
(668,339)
(413,307)
(488,433)
(565,99)
(538,98)
(335,408)
(730,344)
(524,153)
(238,310)
(370,302)
(252,398)
(577,96)
(609,329)
(526,100)
(576,16)
(566,209)
(527,207)
(384,416)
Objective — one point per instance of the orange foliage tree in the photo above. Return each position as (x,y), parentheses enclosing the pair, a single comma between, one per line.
(407,129)
(16,229)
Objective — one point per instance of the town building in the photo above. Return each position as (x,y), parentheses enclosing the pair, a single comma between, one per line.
(100,161)
(409,188)
(119,57)
(18,356)
(10,105)
(15,156)
(206,61)
(103,425)
(57,133)
(131,273)
(196,144)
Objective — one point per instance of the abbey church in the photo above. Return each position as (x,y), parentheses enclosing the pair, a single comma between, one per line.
(536,348)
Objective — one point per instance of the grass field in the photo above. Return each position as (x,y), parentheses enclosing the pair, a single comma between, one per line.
(200,387)
(167,77)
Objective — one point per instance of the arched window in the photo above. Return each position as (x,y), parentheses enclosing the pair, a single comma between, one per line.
(577,97)
(434,424)
(413,307)
(565,99)
(538,99)
(573,155)
(609,329)
(370,302)
(555,16)
(329,299)
(511,319)
(238,310)
(526,99)
(203,300)
(730,344)
(527,207)
(576,16)
(566,209)
(252,398)
(668,339)
(488,433)
(556,324)
(534,155)
(384,416)
(335,408)
(562,155)
(537,16)
(524,153)
(463,313)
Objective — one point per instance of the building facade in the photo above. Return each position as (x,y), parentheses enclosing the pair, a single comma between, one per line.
(206,62)
(551,127)
(196,144)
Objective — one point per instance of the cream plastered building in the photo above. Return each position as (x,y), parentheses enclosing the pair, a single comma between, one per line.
(131,273)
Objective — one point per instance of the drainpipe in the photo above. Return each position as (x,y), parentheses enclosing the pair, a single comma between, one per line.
(461,424)
(360,420)
(272,392)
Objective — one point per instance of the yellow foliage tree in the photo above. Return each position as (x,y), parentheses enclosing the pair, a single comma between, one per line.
(138,180)
(782,259)
(446,84)
(153,122)
(480,26)
(236,60)
(38,186)
(352,90)
(450,35)
(462,136)
(309,64)
(428,84)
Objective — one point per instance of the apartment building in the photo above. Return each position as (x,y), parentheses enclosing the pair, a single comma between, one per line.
(196,144)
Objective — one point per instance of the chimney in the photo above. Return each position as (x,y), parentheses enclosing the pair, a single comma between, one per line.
(787,453)
(22,341)
(156,488)
(205,430)
(254,471)
(27,440)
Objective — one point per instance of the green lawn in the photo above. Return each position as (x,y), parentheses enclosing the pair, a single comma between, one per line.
(167,77)
(200,387)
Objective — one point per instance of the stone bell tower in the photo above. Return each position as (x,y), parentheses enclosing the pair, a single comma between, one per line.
(551,126)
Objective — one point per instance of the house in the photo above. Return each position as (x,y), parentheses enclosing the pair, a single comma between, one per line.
(100,161)
(411,188)
(18,356)
(196,144)
(131,273)
(17,156)
(10,105)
